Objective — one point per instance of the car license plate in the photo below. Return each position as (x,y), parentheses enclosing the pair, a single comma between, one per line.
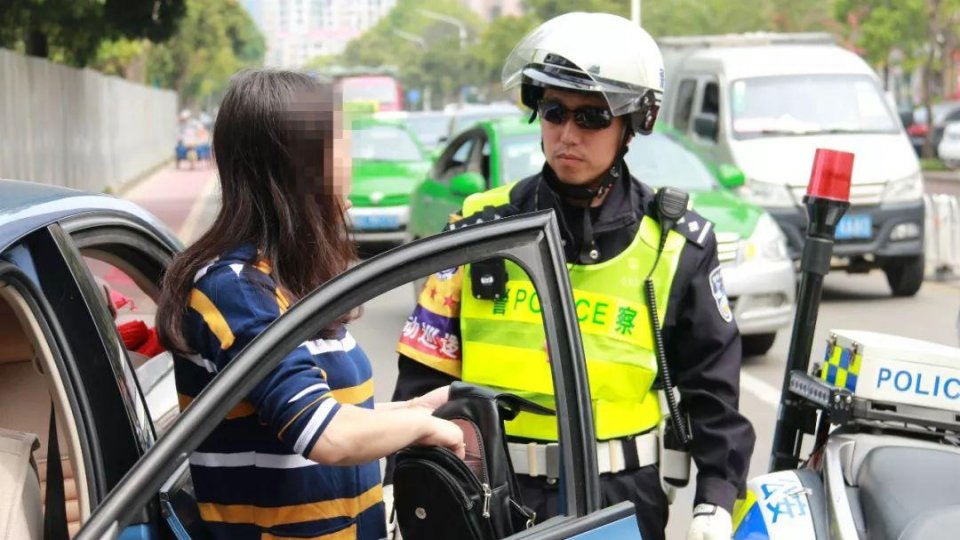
(375,222)
(855,227)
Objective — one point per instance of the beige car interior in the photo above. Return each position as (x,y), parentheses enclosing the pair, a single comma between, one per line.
(29,382)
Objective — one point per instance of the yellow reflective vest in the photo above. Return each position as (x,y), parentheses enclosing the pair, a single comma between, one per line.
(504,344)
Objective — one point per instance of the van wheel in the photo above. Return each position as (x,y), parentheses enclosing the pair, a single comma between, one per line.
(904,274)
(757,344)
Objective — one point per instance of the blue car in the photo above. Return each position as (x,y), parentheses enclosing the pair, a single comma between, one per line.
(123,442)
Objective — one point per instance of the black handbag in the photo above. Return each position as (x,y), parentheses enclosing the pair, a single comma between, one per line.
(438,495)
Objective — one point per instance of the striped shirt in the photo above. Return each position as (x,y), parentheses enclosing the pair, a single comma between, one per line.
(251,475)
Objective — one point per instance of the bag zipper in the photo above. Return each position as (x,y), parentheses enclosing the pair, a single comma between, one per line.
(487,495)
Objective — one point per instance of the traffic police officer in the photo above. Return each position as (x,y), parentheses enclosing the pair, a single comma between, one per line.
(596,80)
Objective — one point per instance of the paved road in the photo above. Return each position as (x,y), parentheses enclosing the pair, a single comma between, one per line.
(850,301)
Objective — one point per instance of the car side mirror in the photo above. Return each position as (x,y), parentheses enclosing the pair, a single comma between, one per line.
(705,126)
(730,176)
(466,184)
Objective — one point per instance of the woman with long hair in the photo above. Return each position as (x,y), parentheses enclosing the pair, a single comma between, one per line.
(298,456)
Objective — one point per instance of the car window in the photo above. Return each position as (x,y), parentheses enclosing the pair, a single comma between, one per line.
(711,99)
(458,158)
(658,160)
(384,143)
(430,129)
(521,156)
(681,117)
(809,104)
(127,276)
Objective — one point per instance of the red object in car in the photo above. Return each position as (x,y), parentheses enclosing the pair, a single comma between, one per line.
(830,177)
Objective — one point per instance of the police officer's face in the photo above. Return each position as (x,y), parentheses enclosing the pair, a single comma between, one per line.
(579,156)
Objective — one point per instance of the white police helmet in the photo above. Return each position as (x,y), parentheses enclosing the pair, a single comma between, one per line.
(591,52)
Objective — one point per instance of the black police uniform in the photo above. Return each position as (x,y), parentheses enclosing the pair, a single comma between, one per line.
(702,347)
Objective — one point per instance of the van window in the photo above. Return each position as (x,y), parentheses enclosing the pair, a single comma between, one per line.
(681,119)
(809,104)
(711,99)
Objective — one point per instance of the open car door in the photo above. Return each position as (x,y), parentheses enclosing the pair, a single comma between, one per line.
(531,241)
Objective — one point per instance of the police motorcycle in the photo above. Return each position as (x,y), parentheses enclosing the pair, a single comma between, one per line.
(883,412)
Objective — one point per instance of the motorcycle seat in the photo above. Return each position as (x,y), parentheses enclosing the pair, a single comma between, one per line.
(910,493)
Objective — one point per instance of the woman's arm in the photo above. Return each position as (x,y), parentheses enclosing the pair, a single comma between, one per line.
(431,400)
(356,435)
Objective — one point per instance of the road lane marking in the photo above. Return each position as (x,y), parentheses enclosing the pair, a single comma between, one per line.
(188,229)
(760,388)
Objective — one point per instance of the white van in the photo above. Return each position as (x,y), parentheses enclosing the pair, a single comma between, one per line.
(766,102)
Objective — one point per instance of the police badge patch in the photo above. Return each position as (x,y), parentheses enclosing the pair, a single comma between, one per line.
(720,295)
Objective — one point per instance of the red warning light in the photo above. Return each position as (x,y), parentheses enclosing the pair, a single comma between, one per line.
(830,177)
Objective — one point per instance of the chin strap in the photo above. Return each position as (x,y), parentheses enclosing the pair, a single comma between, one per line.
(583,196)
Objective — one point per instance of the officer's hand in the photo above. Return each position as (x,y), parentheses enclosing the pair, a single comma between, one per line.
(433,399)
(710,522)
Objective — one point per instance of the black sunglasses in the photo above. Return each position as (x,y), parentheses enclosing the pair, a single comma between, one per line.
(586,117)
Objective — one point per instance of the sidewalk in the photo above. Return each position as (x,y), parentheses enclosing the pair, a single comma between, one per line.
(941,176)
(186,200)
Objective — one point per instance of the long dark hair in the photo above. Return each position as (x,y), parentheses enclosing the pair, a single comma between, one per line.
(273,146)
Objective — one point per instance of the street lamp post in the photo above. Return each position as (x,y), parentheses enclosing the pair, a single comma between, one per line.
(635,11)
(420,42)
(462,28)
(413,38)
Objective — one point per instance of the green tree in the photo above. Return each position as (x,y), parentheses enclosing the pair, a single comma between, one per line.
(215,39)
(426,52)
(916,28)
(71,31)
(548,9)
(496,43)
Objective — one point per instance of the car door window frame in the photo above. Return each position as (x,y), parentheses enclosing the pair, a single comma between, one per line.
(703,82)
(444,171)
(90,481)
(683,114)
(532,241)
(143,256)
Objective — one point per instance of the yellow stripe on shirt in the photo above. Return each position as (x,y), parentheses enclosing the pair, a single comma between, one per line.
(273,516)
(212,316)
(354,395)
(350,533)
(282,301)
(242,410)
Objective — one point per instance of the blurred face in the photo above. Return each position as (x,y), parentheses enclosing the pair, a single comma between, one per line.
(579,156)
(320,146)
(342,162)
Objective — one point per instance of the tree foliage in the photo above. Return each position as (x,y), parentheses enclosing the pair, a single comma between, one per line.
(426,52)
(71,31)
(921,30)
(214,40)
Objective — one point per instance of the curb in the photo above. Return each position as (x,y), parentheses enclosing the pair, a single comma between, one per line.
(942,176)
(123,188)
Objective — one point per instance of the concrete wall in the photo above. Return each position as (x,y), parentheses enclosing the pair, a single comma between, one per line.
(78,128)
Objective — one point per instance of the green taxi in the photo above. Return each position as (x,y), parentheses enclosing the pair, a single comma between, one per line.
(757,272)
(388,163)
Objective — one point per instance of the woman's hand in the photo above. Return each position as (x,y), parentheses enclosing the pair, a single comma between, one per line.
(433,399)
(445,434)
